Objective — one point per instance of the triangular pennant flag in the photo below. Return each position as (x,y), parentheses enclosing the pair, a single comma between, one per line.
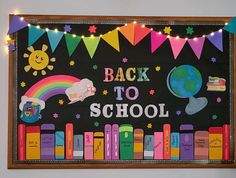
(34,34)
(177,45)
(128,32)
(157,40)
(72,42)
(112,39)
(54,38)
(216,39)
(197,45)
(140,32)
(17,24)
(91,44)
(231,26)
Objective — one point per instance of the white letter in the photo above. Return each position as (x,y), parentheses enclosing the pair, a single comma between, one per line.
(155,111)
(162,111)
(95,110)
(121,108)
(131,110)
(104,110)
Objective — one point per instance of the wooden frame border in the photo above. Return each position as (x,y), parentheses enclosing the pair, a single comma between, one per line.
(12,165)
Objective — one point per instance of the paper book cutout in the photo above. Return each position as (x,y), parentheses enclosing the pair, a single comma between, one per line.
(78,152)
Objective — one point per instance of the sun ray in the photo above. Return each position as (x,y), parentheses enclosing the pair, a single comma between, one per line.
(50,67)
(44,47)
(31,49)
(27,68)
(43,72)
(53,59)
(26,55)
(35,73)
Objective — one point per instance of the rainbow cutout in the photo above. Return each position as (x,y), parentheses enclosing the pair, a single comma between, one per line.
(51,86)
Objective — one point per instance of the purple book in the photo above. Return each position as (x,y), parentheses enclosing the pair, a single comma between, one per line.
(107,132)
(47,142)
(186,142)
(115,141)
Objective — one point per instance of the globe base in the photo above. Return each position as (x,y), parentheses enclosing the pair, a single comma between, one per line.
(195,105)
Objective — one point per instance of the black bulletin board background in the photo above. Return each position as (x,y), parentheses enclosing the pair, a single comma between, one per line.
(138,56)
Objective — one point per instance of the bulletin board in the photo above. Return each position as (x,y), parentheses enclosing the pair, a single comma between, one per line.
(121,92)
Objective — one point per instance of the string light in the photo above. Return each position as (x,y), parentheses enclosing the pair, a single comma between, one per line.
(74,35)
(6,49)
(118,28)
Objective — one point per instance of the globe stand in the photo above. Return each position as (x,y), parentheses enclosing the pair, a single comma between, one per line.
(195,105)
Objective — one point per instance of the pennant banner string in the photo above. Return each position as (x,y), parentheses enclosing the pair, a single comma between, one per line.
(133,32)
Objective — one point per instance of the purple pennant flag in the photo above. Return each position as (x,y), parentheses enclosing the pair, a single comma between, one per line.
(216,39)
(16,24)
(197,45)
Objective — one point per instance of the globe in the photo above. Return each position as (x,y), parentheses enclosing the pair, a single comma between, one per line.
(185,81)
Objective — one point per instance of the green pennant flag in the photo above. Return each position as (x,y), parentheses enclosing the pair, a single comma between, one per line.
(91,44)
(72,42)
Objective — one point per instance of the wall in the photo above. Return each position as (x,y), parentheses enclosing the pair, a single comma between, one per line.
(102,7)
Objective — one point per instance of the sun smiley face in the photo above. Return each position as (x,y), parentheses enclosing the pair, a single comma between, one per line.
(38,60)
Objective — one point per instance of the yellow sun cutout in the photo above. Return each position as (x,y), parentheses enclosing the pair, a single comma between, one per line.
(38,60)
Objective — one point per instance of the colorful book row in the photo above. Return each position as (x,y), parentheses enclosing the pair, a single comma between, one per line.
(123,143)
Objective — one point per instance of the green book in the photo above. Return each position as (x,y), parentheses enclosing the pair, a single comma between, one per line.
(126,142)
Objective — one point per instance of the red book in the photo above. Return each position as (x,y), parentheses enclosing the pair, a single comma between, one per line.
(21,142)
(166,140)
(226,142)
(69,141)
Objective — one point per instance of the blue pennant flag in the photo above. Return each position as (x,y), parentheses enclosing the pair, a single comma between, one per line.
(34,34)
(54,38)
(231,26)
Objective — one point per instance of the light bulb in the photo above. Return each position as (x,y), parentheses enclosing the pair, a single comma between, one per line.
(220,30)
(195,39)
(22,18)
(29,24)
(74,35)
(186,38)
(134,22)
(56,30)
(212,33)
(46,29)
(159,33)
(177,37)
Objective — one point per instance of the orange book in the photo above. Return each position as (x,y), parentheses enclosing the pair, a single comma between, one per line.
(69,141)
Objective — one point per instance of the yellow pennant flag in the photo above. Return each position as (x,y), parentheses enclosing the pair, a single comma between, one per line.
(112,39)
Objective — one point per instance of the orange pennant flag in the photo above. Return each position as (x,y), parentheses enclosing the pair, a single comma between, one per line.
(140,32)
(112,39)
(128,32)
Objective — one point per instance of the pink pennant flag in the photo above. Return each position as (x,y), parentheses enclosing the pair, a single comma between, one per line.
(197,45)
(140,32)
(177,45)
(156,40)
